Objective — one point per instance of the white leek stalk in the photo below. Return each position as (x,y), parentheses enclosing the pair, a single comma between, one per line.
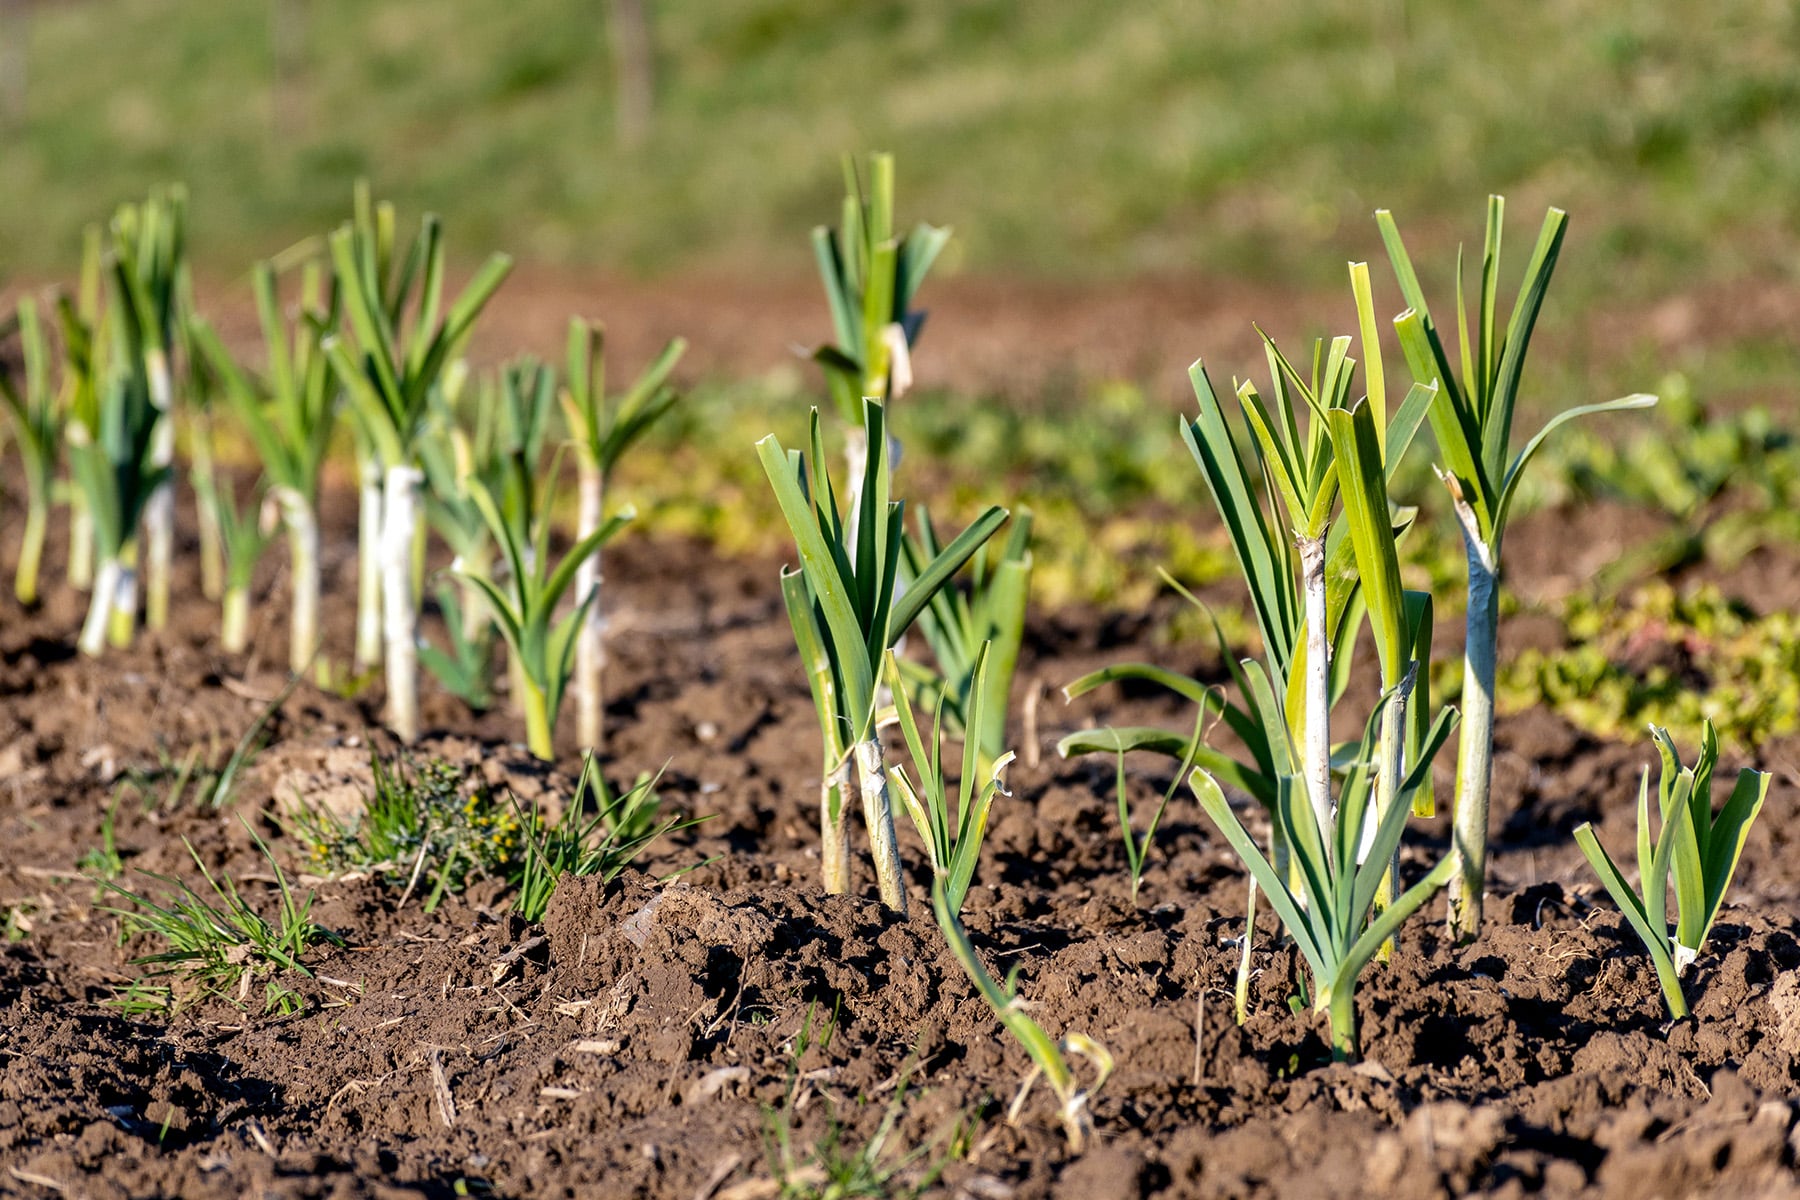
(399,522)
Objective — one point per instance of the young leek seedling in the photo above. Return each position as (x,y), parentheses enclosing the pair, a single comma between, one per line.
(149,242)
(525,605)
(952,839)
(847,611)
(1472,418)
(957,623)
(1311,578)
(1302,475)
(289,413)
(243,537)
(601,431)
(870,277)
(375,224)
(38,417)
(114,464)
(86,343)
(1327,899)
(1699,847)
(1049,1057)
(465,442)
(389,379)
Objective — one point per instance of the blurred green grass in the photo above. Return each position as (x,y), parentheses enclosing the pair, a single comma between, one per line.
(1061,138)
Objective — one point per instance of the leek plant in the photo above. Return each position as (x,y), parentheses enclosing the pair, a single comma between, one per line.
(289,413)
(952,839)
(957,624)
(1701,848)
(602,430)
(1313,573)
(243,538)
(847,611)
(114,463)
(389,379)
(149,243)
(870,276)
(38,417)
(524,606)
(204,385)
(1343,850)
(1329,911)
(1312,577)
(1049,1056)
(1472,419)
(463,443)
(85,343)
(375,225)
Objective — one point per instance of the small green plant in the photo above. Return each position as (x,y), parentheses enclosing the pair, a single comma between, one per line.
(1326,897)
(601,430)
(464,665)
(149,251)
(242,540)
(102,863)
(602,842)
(115,461)
(290,413)
(18,924)
(958,623)
(1472,419)
(847,611)
(1699,847)
(524,605)
(38,418)
(390,378)
(952,838)
(1137,845)
(214,940)
(1049,1056)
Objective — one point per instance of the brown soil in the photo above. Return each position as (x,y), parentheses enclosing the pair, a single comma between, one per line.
(643,1041)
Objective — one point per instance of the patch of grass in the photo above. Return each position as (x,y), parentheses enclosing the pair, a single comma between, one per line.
(429,822)
(214,940)
(598,834)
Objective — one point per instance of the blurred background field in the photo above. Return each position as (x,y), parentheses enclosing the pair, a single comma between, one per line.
(1064,140)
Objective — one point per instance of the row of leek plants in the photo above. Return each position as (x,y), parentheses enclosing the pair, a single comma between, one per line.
(370,351)
(1314,530)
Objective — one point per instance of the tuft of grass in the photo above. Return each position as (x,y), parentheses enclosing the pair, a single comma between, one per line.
(601,842)
(424,821)
(214,938)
